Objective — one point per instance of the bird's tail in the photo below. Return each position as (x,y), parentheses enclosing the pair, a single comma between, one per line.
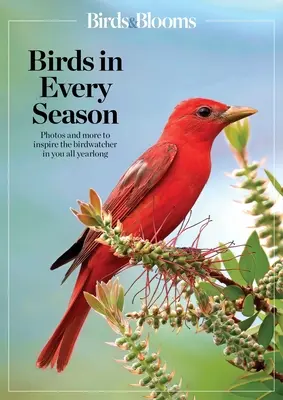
(57,351)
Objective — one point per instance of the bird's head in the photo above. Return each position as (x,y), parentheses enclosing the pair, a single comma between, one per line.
(202,119)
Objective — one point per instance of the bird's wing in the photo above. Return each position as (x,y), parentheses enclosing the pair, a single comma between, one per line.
(134,185)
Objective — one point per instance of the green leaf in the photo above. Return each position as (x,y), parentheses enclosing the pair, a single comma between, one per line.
(277,395)
(278,296)
(248,306)
(231,264)
(266,330)
(233,292)
(274,182)
(211,290)
(121,298)
(260,376)
(263,395)
(280,320)
(280,344)
(253,330)
(269,366)
(247,261)
(231,136)
(237,134)
(243,132)
(244,325)
(94,303)
(216,263)
(260,258)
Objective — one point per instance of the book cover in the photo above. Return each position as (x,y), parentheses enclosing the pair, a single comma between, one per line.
(143,150)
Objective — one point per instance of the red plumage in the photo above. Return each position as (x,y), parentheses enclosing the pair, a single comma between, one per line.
(155,194)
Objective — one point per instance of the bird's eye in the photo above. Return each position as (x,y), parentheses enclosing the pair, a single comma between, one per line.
(204,112)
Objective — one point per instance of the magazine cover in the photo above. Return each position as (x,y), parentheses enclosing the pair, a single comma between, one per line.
(142,145)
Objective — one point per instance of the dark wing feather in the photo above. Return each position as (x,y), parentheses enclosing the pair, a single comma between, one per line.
(71,253)
(134,185)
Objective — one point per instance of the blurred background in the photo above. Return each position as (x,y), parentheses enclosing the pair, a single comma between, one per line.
(229,62)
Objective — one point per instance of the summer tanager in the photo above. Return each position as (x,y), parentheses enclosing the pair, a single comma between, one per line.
(151,199)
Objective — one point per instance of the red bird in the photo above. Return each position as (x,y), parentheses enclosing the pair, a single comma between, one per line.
(154,195)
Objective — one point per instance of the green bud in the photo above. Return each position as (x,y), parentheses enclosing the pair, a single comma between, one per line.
(156,323)
(151,358)
(158,250)
(145,381)
(146,259)
(140,370)
(136,365)
(250,365)
(141,345)
(165,379)
(130,356)
(136,335)
(120,341)
(227,351)
(238,361)
(117,230)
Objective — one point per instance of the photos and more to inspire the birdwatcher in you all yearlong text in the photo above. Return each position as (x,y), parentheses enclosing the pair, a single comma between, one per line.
(144,189)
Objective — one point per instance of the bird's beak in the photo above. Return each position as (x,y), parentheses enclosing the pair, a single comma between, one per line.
(235,113)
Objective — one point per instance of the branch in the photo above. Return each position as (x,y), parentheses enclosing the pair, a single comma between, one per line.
(261,304)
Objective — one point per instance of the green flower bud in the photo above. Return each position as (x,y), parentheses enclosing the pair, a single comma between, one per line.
(215,307)
(227,351)
(250,365)
(156,323)
(136,335)
(165,379)
(238,361)
(117,230)
(159,373)
(218,340)
(140,370)
(136,365)
(141,345)
(130,356)
(145,381)
(151,358)
(120,341)
(153,384)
